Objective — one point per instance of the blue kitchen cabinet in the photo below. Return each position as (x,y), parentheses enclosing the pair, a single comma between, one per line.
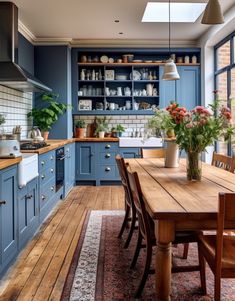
(85,161)
(69,177)
(28,211)
(186,90)
(8,215)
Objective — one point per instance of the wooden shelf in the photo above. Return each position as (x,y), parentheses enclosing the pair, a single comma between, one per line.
(133,64)
(115,112)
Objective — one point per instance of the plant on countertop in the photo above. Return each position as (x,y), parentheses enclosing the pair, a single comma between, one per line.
(80,124)
(102,126)
(2,119)
(118,130)
(45,117)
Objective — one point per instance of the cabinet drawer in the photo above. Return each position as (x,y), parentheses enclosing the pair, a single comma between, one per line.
(107,146)
(46,193)
(107,172)
(46,175)
(46,160)
(107,157)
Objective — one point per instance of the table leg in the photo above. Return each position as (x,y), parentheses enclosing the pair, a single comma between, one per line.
(165,233)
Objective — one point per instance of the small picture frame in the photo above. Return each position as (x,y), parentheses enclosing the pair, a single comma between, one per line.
(85,105)
(109,74)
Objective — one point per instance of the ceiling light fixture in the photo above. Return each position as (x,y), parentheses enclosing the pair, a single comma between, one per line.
(120,32)
(170,69)
(213,13)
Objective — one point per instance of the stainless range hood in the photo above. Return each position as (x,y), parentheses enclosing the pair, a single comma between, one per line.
(11,74)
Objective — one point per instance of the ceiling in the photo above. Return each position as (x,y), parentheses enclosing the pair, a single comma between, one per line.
(94,20)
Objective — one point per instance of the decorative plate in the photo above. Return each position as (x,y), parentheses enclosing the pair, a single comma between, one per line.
(148,62)
(136,75)
(104,59)
(137,61)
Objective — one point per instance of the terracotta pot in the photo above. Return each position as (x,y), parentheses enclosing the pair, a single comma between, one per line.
(79,132)
(45,135)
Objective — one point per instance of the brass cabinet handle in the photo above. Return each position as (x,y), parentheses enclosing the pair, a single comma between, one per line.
(29,196)
(42,162)
(42,176)
(52,188)
(52,170)
(107,156)
(107,169)
(43,197)
(3,202)
(52,158)
(107,146)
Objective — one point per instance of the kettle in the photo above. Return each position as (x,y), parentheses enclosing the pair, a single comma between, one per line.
(35,133)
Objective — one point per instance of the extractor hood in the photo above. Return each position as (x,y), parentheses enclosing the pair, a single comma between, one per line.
(11,74)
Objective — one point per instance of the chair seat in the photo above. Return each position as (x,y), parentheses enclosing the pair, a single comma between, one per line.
(208,245)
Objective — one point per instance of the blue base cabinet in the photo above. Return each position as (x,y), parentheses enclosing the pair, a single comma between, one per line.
(8,216)
(28,211)
(69,177)
(85,161)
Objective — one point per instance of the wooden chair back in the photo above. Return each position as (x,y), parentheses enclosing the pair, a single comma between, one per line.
(124,179)
(233,164)
(137,196)
(226,214)
(152,153)
(222,161)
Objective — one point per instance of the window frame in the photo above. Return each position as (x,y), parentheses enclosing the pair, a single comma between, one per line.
(227,69)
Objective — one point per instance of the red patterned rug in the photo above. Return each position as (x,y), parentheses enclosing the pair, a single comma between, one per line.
(100,270)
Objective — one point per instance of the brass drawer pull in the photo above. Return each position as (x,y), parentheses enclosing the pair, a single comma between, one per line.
(107,169)
(52,170)
(3,202)
(107,146)
(43,197)
(52,158)
(28,197)
(52,188)
(42,177)
(107,156)
(42,162)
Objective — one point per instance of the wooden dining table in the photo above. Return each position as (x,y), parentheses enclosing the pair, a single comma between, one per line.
(176,204)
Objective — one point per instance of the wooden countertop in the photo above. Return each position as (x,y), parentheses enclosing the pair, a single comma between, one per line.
(53,144)
(4,163)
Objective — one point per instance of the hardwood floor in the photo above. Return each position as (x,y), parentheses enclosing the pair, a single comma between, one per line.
(41,268)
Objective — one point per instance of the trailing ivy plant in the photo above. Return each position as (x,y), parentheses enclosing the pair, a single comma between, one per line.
(46,116)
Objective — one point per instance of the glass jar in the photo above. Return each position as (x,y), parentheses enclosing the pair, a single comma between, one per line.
(194,166)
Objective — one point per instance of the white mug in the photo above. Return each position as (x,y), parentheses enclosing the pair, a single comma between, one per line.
(111,106)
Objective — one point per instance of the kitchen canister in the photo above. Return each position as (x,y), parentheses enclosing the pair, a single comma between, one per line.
(186,59)
(194,59)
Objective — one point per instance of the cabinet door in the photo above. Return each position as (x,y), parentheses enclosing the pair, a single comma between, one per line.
(167,90)
(72,162)
(188,94)
(85,161)
(8,211)
(28,211)
(69,167)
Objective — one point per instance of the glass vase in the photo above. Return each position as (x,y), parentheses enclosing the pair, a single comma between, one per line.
(194,166)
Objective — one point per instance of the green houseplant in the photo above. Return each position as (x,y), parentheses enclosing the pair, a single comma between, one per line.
(101,126)
(48,114)
(118,130)
(80,126)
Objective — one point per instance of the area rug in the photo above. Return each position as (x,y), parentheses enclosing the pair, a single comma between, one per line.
(100,269)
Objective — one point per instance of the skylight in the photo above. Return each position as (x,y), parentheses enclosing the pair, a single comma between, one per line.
(180,12)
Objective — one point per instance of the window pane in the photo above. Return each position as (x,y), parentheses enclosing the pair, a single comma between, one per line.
(223,55)
(221,80)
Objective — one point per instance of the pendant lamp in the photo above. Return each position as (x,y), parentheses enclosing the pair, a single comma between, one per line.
(213,14)
(170,69)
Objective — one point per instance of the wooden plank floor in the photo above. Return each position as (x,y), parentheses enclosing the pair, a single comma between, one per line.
(41,268)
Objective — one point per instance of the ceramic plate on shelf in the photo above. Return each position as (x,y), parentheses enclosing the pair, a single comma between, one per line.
(148,62)
(137,61)
(136,75)
(104,59)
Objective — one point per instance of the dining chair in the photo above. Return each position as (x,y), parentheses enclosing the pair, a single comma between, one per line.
(146,234)
(160,153)
(219,249)
(152,153)
(130,210)
(222,161)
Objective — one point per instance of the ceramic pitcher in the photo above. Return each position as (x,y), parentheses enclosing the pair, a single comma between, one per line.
(149,89)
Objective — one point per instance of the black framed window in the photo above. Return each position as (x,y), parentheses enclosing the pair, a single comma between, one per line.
(225,83)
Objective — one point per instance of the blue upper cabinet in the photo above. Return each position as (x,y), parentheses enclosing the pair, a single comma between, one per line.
(186,90)
(8,213)
(53,67)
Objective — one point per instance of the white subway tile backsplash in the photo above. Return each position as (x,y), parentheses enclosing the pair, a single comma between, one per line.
(15,105)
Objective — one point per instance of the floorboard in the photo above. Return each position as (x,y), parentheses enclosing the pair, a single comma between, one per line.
(40,270)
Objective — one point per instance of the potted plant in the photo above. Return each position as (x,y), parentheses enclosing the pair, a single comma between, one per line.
(101,126)
(46,116)
(119,130)
(2,121)
(80,126)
